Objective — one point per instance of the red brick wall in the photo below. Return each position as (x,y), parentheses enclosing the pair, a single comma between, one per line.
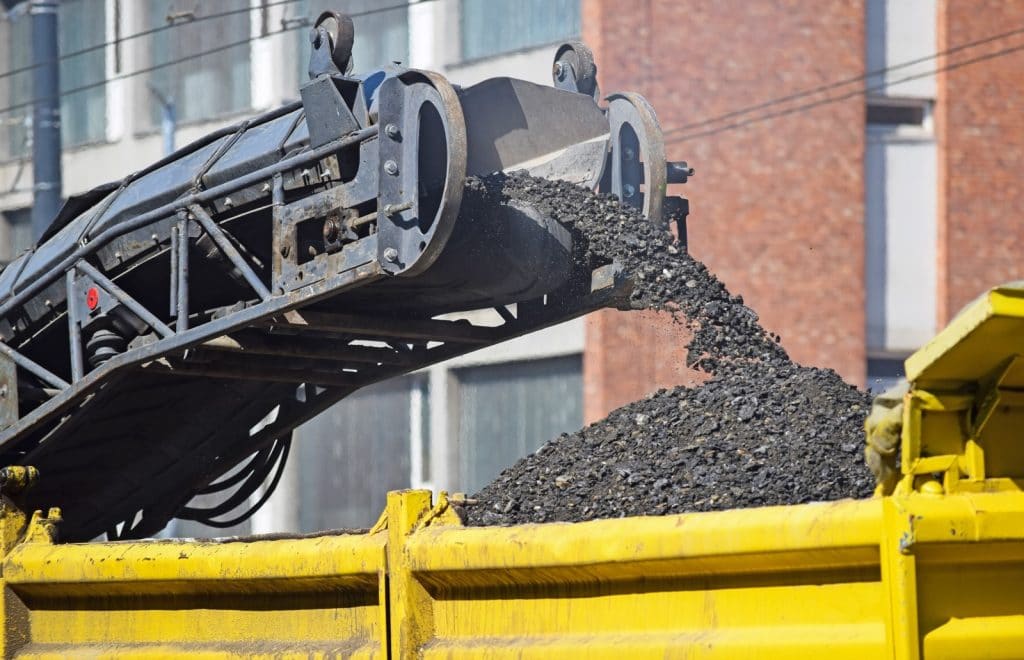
(980,130)
(776,207)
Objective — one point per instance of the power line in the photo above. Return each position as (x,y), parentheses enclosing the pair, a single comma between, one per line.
(143,33)
(842,97)
(203,53)
(845,81)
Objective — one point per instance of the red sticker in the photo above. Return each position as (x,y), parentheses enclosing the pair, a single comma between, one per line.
(92,298)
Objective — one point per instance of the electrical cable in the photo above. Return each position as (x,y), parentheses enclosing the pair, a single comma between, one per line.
(186,58)
(845,81)
(842,97)
(143,33)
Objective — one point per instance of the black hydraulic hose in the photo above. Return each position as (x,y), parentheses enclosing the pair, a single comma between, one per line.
(247,488)
(271,487)
(259,457)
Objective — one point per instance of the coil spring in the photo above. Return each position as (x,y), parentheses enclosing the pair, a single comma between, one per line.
(103,345)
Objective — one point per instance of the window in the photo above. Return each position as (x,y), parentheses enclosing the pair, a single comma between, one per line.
(883,112)
(900,173)
(82,25)
(900,176)
(351,455)
(492,27)
(15,53)
(506,411)
(381,37)
(884,372)
(203,87)
(15,234)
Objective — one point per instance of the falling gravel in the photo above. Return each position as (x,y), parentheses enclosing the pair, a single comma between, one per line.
(761,431)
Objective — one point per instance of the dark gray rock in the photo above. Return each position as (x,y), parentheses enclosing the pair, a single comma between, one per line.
(761,431)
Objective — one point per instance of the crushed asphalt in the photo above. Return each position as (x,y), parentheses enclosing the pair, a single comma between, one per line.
(761,430)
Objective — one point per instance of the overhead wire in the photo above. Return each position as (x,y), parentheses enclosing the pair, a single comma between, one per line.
(845,81)
(196,55)
(841,97)
(144,33)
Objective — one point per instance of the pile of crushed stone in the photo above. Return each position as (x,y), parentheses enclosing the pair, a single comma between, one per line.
(667,278)
(761,431)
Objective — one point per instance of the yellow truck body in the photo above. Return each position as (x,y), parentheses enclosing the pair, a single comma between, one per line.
(933,570)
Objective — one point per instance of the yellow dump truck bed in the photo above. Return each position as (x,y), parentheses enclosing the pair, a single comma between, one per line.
(933,570)
(895,577)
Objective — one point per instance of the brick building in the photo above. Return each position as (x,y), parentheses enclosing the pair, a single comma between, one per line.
(857,227)
(856,224)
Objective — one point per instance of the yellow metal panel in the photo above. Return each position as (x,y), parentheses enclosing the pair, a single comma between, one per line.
(899,580)
(838,642)
(974,344)
(903,577)
(795,537)
(298,597)
(780,582)
(988,638)
(173,567)
(410,609)
(961,517)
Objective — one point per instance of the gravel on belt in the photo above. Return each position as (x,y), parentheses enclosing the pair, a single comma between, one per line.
(761,431)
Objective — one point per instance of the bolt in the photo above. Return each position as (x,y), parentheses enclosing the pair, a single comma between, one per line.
(3,391)
(391,131)
(391,254)
(312,251)
(394,209)
(559,70)
(628,191)
(391,167)
(285,250)
(228,202)
(332,229)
